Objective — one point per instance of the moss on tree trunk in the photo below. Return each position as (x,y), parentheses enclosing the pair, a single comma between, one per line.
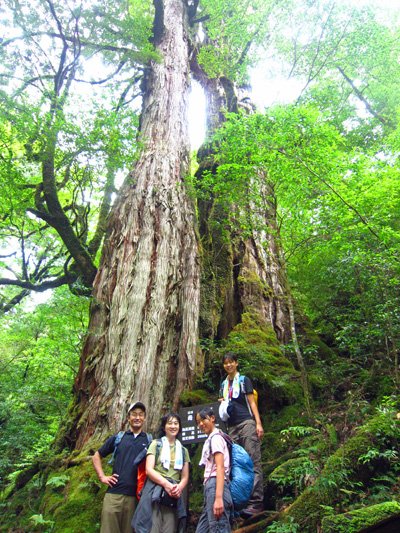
(379,517)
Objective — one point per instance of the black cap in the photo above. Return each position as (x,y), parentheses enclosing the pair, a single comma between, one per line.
(135,405)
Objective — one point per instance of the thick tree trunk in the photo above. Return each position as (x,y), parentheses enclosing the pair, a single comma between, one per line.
(262,277)
(144,318)
(245,275)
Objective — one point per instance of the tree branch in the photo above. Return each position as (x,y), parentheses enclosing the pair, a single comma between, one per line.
(5,307)
(361,97)
(42,215)
(324,62)
(108,78)
(105,208)
(41,287)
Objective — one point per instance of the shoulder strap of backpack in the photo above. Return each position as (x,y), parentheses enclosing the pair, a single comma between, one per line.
(242,390)
(229,443)
(141,456)
(118,438)
(226,438)
(158,450)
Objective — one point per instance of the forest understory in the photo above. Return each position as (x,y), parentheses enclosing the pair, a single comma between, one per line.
(335,469)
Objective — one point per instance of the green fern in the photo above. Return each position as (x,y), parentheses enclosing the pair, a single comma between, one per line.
(57,481)
(38,520)
(288,527)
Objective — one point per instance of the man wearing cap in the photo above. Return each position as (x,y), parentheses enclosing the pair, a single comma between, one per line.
(120,499)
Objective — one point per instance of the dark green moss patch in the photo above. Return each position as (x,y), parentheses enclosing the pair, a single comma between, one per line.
(77,507)
(340,470)
(261,358)
(195,397)
(360,519)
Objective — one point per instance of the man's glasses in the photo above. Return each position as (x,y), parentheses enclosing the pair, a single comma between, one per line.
(137,414)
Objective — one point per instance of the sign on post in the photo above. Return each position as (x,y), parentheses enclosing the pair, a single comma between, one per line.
(190,431)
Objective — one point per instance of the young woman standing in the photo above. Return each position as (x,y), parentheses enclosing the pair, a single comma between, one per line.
(161,508)
(244,424)
(217,507)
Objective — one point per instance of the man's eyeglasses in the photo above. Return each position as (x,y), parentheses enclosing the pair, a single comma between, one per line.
(137,414)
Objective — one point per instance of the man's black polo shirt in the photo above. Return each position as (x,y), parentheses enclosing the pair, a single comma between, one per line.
(127,451)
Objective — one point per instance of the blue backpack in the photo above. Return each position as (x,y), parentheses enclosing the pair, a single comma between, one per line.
(241,475)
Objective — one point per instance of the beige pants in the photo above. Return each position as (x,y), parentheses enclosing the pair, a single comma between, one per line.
(164,519)
(245,434)
(117,513)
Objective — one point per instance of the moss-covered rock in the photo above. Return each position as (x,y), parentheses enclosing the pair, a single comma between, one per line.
(195,397)
(262,358)
(313,344)
(75,506)
(358,520)
(294,474)
(70,496)
(288,416)
(318,382)
(24,503)
(341,469)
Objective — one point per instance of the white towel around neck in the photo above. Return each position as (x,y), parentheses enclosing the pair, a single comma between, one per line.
(165,456)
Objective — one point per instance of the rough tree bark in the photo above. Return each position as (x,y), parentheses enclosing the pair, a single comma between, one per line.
(143,327)
(245,274)
(262,257)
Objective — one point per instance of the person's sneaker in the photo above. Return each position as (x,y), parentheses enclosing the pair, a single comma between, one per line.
(250,511)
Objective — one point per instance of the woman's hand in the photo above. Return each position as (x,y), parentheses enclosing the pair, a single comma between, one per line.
(176,491)
(169,488)
(254,409)
(218,507)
